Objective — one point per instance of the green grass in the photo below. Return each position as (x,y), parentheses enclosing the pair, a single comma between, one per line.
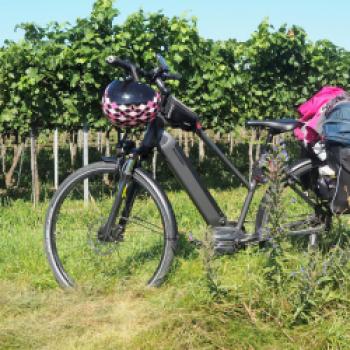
(233,309)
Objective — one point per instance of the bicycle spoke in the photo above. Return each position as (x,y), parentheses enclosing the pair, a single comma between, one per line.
(143,223)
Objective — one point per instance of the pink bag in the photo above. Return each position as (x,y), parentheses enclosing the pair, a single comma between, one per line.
(311,112)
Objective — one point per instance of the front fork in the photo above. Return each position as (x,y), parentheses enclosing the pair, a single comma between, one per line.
(126,190)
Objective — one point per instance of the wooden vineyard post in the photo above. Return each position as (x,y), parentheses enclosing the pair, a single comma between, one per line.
(154,163)
(250,154)
(73,147)
(201,151)
(86,160)
(107,144)
(55,157)
(258,149)
(180,137)
(24,143)
(80,138)
(231,142)
(18,148)
(99,141)
(186,147)
(107,152)
(192,140)
(34,167)
(3,154)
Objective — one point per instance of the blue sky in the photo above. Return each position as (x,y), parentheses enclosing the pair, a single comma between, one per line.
(220,19)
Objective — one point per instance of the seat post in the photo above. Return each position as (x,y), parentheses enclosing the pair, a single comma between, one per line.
(269,137)
(264,146)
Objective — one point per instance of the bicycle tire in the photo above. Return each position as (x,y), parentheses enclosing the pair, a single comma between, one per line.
(300,169)
(64,197)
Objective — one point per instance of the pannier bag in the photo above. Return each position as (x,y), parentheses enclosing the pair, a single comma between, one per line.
(336,127)
(312,113)
(326,118)
(180,116)
(339,158)
(336,133)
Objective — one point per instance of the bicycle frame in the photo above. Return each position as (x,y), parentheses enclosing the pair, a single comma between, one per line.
(190,179)
(179,115)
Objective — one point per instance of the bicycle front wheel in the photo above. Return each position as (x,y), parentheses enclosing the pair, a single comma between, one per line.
(143,242)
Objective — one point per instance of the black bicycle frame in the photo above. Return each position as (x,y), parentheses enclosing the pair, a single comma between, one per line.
(189,178)
(191,181)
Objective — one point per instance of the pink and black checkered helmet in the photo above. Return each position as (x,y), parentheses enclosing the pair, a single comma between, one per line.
(130,103)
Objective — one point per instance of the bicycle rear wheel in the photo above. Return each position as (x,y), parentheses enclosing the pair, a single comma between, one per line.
(304,213)
(143,242)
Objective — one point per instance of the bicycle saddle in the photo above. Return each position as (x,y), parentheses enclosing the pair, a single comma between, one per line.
(275,126)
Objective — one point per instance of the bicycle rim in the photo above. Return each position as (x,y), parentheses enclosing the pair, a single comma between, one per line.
(82,257)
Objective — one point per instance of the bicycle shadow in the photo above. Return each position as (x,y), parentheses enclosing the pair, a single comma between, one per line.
(134,262)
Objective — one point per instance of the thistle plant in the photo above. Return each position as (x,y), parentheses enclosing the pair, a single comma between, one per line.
(275,162)
(211,270)
(324,281)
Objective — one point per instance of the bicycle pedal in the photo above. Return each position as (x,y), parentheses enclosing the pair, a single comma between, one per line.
(194,241)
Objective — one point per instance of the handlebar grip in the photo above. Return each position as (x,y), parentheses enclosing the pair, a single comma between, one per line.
(116,61)
(126,65)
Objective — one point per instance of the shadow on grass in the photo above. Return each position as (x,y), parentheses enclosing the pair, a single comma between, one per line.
(126,269)
(186,249)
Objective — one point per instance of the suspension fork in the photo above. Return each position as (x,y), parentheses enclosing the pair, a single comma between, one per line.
(129,201)
(123,191)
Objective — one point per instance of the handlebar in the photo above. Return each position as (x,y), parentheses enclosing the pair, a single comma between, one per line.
(157,75)
(125,64)
(116,61)
(162,62)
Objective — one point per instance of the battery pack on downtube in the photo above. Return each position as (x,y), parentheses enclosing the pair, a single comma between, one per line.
(190,180)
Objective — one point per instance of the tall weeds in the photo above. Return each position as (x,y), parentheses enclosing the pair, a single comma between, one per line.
(275,162)
(299,286)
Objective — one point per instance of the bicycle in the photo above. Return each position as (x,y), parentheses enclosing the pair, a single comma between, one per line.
(125,225)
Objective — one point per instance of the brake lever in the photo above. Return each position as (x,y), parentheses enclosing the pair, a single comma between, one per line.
(162,62)
(172,76)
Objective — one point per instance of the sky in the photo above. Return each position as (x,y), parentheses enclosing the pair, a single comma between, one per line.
(219,19)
